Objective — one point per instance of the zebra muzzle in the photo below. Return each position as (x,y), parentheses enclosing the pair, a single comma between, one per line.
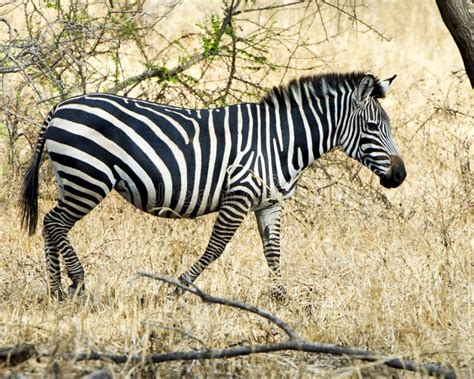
(397,173)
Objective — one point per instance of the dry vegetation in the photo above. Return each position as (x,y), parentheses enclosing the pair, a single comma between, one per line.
(387,270)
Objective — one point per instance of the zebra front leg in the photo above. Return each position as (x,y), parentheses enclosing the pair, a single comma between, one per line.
(57,223)
(268,221)
(231,214)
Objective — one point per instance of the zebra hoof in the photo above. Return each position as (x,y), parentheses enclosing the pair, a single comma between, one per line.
(279,293)
(58,294)
(175,293)
(183,279)
(76,290)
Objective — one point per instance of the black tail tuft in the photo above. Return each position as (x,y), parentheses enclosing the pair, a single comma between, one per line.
(29,191)
(29,197)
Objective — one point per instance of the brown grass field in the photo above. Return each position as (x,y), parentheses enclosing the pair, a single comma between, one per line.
(386,270)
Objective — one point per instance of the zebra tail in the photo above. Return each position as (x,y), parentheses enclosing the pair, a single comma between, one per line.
(29,193)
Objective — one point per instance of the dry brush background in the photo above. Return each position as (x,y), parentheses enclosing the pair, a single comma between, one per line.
(387,270)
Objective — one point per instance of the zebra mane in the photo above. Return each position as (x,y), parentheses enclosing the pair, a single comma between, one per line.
(331,80)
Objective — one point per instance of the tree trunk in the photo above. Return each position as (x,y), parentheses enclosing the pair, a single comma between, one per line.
(460,23)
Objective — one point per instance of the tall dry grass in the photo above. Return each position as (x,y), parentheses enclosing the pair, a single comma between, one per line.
(388,270)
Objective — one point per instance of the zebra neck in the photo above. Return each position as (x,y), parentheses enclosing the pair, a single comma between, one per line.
(305,128)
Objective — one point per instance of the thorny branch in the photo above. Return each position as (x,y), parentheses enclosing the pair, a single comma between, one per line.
(162,73)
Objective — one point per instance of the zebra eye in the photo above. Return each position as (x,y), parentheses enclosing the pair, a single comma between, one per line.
(372,126)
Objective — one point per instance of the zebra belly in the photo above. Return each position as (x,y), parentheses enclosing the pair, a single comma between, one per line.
(128,190)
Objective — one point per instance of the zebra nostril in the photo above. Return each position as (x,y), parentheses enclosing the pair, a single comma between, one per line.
(399,175)
(398,170)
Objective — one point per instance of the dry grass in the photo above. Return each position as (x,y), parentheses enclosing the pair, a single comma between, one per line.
(391,275)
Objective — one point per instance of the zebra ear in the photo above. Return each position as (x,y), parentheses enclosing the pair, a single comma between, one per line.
(385,85)
(366,85)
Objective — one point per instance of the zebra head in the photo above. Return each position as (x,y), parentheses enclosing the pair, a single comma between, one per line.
(371,141)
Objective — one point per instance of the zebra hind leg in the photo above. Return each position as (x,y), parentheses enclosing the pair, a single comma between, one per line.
(81,189)
(53,268)
(57,224)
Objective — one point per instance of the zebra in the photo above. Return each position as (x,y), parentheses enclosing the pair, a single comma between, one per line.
(177,162)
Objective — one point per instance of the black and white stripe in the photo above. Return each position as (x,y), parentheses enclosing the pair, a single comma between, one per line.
(177,162)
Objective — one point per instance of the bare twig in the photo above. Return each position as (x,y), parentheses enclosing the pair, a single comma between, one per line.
(451,111)
(270,7)
(180,331)
(356,19)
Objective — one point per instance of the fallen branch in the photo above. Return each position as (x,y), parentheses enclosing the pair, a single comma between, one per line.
(432,369)
(13,355)
(294,342)
(229,302)
(18,354)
